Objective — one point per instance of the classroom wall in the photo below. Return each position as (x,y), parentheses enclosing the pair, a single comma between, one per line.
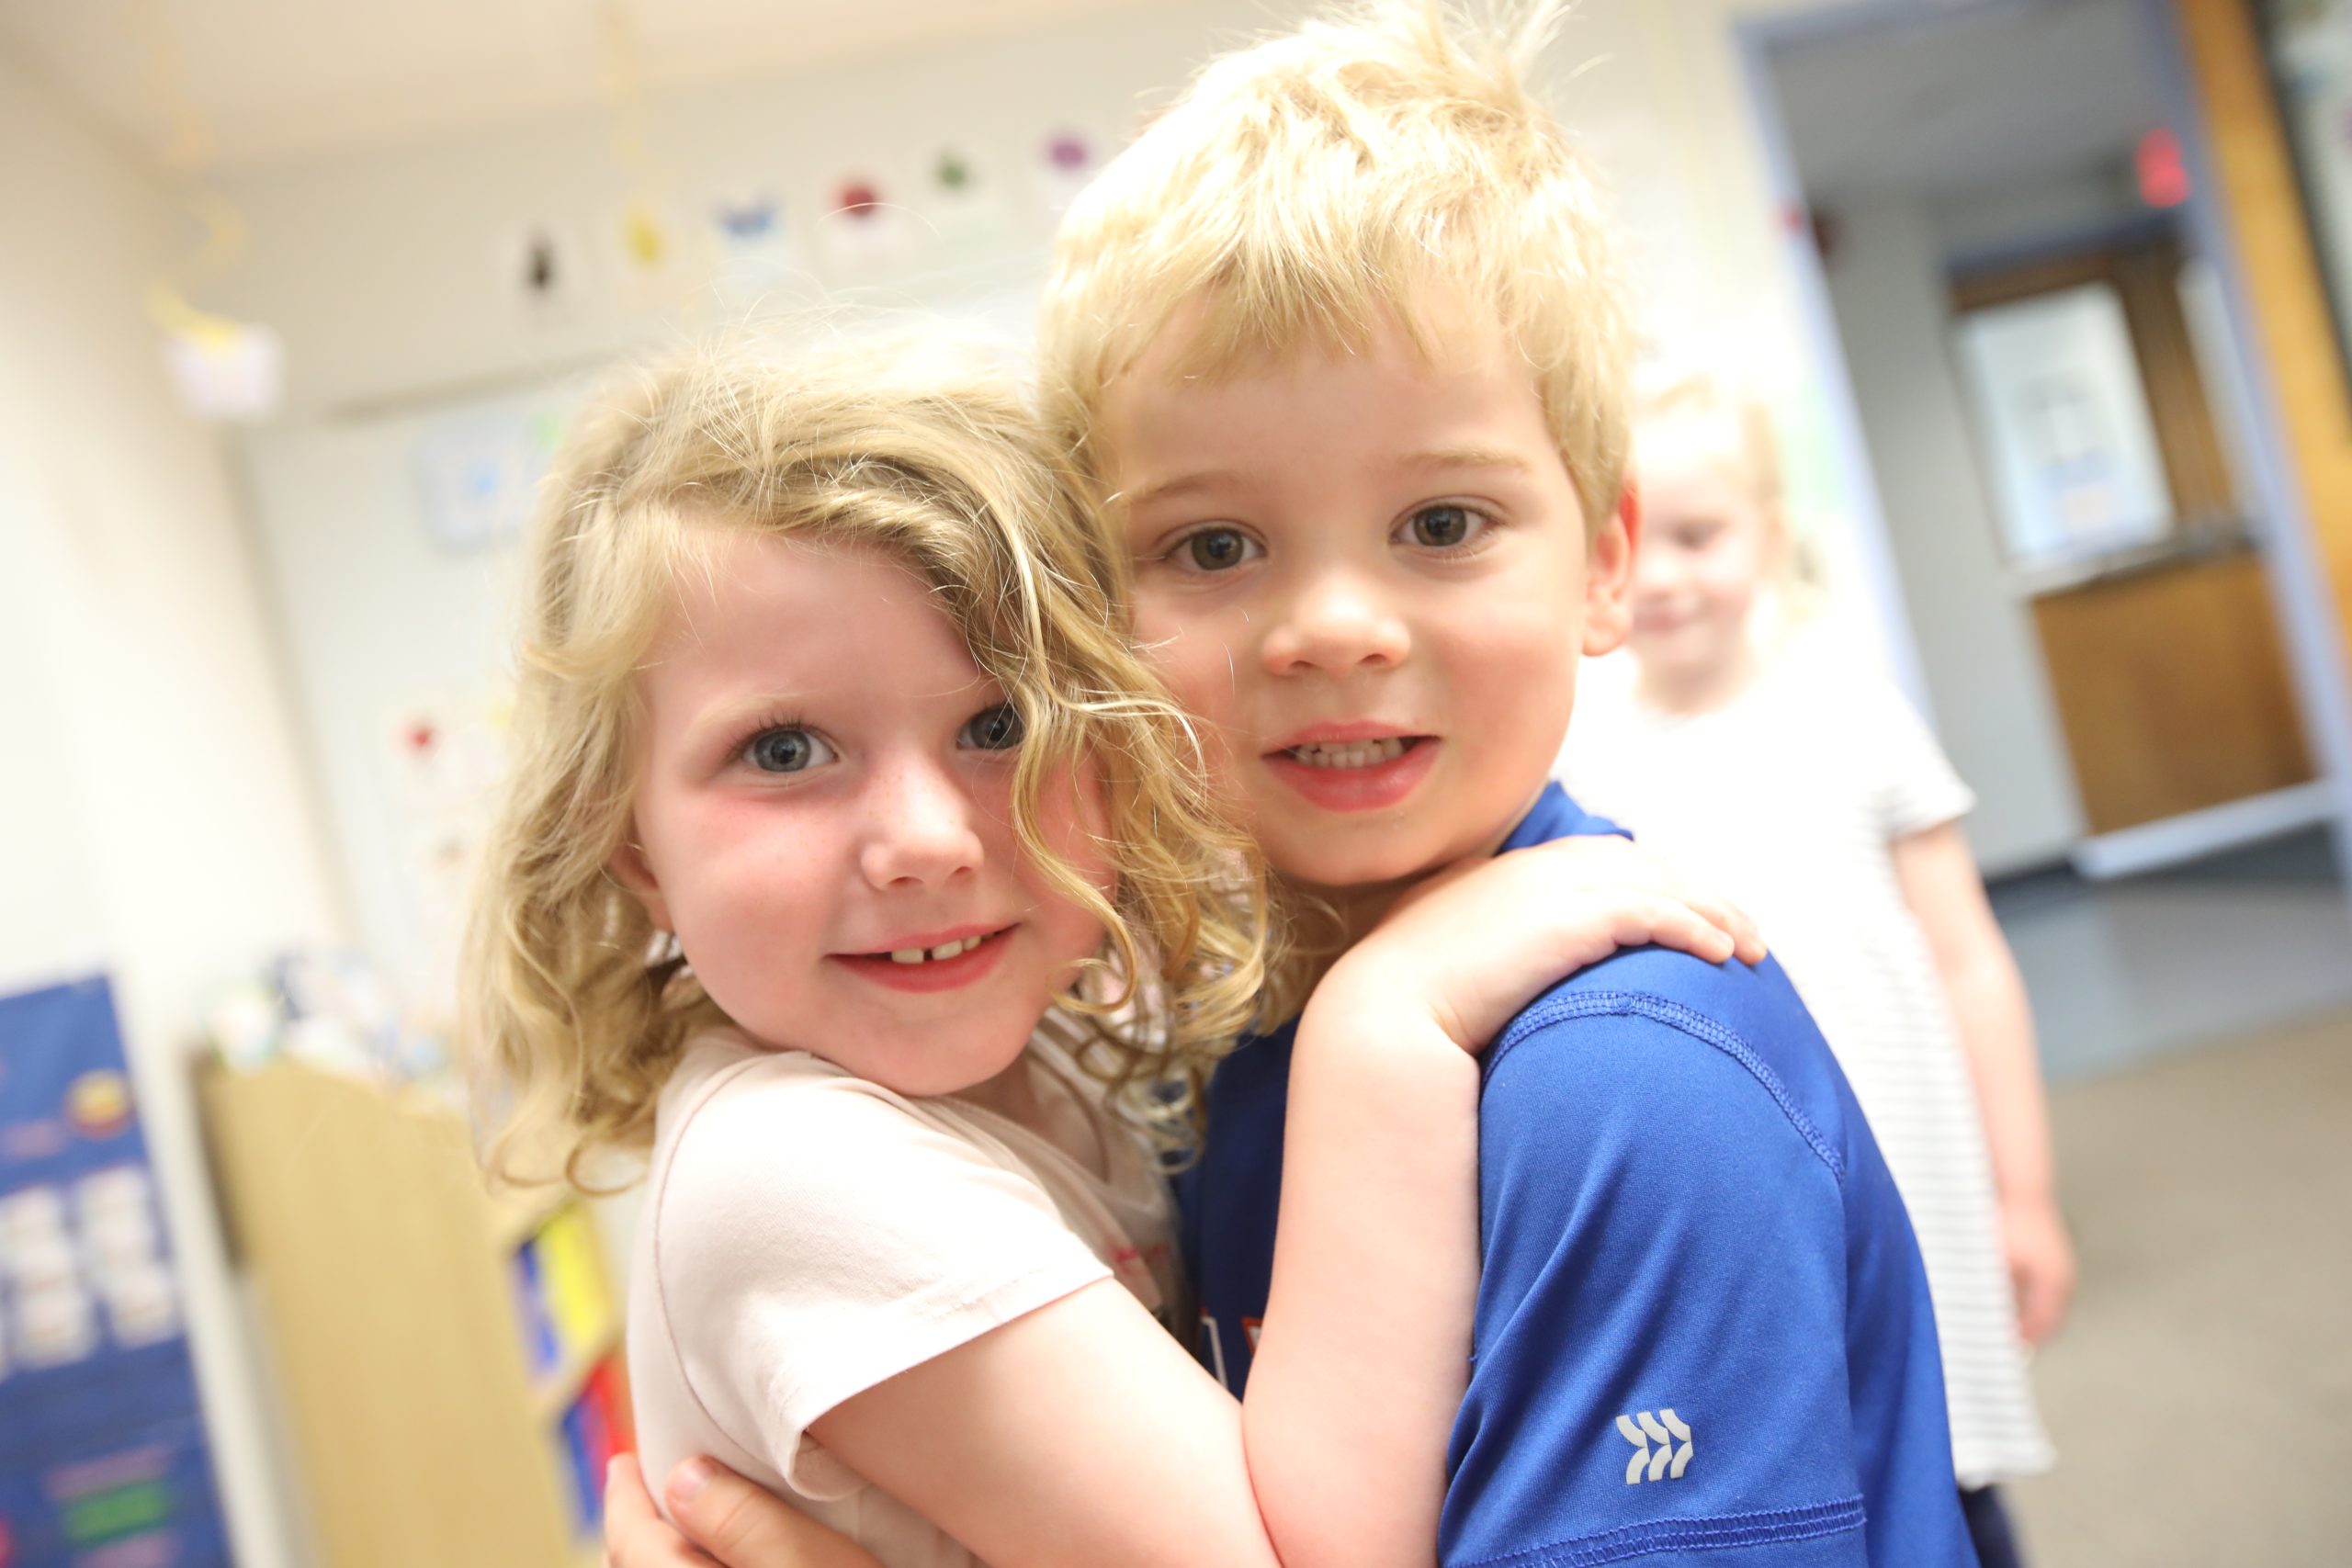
(380,268)
(382,272)
(1984,667)
(155,817)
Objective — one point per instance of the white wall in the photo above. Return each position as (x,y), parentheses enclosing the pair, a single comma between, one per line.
(154,819)
(380,270)
(2081,202)
(1984,669)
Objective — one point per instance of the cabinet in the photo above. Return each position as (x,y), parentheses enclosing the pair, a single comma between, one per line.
(449,1359)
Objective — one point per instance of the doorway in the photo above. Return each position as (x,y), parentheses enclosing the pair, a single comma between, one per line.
(2028,291)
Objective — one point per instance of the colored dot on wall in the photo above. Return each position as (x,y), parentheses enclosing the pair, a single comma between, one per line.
(1067,151)
(859,199)
(644,238)
(953,173)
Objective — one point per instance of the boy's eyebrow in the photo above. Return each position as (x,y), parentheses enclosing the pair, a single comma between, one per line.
(1181,485)
(1466,457)
(1434,458)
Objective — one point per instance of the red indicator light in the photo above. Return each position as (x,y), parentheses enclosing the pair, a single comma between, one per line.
(2163,179)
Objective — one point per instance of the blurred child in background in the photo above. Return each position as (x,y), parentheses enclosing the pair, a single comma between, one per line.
(1807,788)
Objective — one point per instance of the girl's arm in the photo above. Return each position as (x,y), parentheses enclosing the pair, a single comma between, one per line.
(1082,1434)
(1940,883)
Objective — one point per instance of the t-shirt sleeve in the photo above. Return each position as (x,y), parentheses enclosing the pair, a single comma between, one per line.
(1918,788)
(815,1238)
(1660,1365)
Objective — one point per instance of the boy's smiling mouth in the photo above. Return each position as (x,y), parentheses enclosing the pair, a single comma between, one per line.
(1354,767)
(1352,753)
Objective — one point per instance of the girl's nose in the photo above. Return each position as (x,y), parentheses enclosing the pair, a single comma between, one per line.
(925,828)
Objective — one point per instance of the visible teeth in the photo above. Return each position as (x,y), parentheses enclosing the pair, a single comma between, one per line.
(933,955)
(1352,754)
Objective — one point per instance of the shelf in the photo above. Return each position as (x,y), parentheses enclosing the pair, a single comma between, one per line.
(518,1216)
(554,1395)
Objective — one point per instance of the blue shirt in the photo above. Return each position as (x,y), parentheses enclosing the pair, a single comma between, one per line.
(1703,1334)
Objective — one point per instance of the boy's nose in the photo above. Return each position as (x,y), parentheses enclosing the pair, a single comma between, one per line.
(924,828)
(1336,627)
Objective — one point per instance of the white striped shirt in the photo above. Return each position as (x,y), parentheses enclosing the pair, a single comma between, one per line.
(1788,801)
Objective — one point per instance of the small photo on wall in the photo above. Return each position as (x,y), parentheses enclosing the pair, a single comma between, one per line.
(539,268)
(758,259)
(961,198)
(1062,159)
(655,260)
(867,231)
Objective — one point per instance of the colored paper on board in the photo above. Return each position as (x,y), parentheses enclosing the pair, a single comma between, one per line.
(103,1455)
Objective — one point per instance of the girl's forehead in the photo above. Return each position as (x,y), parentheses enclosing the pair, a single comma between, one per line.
(748,594)
(1686,438)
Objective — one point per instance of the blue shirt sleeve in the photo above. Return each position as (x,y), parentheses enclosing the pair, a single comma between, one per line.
(1660,1346)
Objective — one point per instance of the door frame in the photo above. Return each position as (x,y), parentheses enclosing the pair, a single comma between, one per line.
(2307,620)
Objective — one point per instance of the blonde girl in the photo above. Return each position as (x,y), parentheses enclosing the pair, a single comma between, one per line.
(852,865)
(1748,746)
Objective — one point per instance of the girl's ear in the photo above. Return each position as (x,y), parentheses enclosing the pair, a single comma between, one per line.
(630,868)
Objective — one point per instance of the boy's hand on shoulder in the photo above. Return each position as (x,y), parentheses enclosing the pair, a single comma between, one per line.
(729,1522)
(1478,941)
(2042,1267)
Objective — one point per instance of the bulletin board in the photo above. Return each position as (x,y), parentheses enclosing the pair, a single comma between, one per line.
(103,1456)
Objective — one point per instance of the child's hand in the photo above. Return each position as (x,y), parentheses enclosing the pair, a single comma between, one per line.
(1476,943)
(731,1522)
(2042,1267)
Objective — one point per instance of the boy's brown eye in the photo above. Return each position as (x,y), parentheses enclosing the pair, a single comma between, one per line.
(1216,549)
(1442,527)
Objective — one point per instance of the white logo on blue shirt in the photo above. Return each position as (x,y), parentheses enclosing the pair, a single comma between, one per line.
(1665,1428)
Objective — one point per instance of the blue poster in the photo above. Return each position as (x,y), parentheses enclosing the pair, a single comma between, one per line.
(103,1462)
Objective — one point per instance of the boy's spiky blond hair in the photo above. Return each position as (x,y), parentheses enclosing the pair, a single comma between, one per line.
(1351,171)
(567,993)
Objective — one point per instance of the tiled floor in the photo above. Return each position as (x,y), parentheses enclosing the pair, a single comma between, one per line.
(2201,1397)
(2124,972)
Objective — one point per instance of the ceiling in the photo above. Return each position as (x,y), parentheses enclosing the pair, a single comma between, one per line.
(1987,95)
(270,80)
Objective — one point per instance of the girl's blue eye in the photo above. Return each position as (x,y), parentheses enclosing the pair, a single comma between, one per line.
(1216,550)
(1444,527)
(993,729)
(786,749)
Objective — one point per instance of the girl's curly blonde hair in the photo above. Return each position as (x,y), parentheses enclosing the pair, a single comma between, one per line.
(570,993)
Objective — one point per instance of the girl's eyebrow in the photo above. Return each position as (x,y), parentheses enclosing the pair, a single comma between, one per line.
(724,720)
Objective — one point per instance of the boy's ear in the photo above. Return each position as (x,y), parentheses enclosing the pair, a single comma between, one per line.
(1609,575)
(629,867)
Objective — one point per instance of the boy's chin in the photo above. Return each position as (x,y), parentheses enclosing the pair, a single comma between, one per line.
(1339,868)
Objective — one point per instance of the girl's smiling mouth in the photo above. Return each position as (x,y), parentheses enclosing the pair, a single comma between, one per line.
(944,962)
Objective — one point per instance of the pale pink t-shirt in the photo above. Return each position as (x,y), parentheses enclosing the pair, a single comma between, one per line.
(808,1235)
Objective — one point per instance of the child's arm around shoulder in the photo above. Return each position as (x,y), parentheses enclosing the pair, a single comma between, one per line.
(1077,1431)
